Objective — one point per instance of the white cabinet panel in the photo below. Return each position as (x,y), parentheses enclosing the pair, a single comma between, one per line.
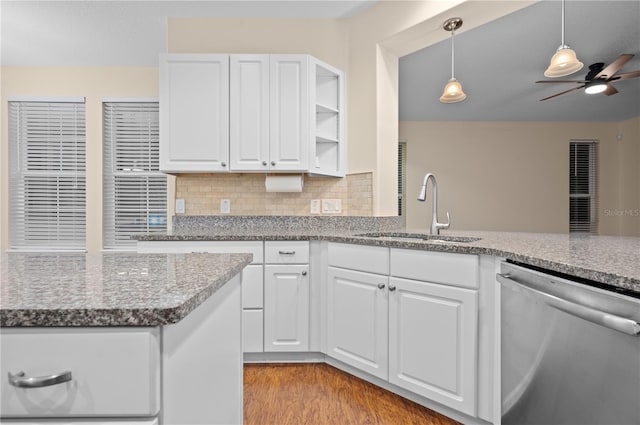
(252,288)
(249,103)
(370,259)
(194,112)
(114,372)
(286,308)
(289,130)
(152,421)
(252,331)
(432,341)
(357,315)
(438,267)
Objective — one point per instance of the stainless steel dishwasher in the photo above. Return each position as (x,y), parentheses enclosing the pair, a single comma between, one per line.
(570,350)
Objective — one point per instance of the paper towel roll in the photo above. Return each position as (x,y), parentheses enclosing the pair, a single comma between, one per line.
(288,183)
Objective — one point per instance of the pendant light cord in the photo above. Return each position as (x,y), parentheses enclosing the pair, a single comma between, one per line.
(453,33)
(562,26)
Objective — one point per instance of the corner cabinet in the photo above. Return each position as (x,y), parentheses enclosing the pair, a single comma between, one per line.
(280,113)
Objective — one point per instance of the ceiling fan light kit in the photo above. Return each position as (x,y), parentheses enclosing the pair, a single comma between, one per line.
(452,92)
(593,87)
(564,62)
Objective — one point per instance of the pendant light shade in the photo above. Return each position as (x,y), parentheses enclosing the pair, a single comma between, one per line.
(564,62)
(453,89)
(453,92)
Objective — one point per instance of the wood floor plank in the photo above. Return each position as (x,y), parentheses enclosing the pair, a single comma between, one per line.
(318,394)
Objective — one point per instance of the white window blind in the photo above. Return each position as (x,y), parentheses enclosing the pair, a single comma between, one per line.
(135,192)
(402,178)
(47,175)
(583,186)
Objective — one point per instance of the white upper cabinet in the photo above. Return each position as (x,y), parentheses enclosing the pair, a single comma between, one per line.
(194,112)
(289,141)
(328,147)
(276,113)
(249,102)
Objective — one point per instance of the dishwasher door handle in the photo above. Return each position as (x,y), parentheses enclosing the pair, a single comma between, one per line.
(602,318)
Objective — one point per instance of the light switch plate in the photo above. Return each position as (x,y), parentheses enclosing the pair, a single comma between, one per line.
(180,206)
(331,206)
(225,206)
(315,206)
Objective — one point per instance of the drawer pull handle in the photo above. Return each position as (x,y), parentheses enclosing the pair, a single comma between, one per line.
(287,252)
(21,381)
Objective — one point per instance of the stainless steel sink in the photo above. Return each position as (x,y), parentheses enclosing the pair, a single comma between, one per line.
(420,237)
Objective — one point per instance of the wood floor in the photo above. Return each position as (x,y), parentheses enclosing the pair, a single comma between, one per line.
(317,394)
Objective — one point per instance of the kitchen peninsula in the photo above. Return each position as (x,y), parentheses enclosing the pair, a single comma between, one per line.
(374,298)
(150,338)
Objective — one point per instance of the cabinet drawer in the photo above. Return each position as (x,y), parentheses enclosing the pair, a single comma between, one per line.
(113,372)
(252,331)
(286,252)
(370,259)
(437,267)
(223,247)
(252,286)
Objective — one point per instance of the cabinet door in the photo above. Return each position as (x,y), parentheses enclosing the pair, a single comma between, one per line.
(194,113)
(357,313)
(286,308)
(432,341)
(290,135)
(249,105)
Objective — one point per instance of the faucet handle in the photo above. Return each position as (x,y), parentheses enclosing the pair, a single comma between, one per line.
(444,225)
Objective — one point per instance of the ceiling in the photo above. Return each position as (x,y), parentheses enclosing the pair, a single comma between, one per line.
(497,63)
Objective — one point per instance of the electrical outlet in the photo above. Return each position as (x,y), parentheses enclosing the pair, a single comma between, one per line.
(331,206)
(315,206)
(180,206)
(225,206)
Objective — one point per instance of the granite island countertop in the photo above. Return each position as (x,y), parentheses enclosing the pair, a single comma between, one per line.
(109,289)
(609,260)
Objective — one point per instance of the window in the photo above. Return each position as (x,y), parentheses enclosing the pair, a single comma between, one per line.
(47,175)
(402,178)
(583,186)
(135,192)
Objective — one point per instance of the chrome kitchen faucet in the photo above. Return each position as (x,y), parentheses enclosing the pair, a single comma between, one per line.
(435,226)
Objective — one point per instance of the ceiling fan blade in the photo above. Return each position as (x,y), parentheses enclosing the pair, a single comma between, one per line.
(562,81)
(610,90)
(626,75)
(614,66)
(563,92)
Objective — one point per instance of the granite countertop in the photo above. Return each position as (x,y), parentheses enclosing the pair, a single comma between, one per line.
(109,289)
(609,260)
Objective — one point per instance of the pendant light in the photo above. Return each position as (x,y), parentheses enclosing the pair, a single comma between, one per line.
(453,90)
(564,62)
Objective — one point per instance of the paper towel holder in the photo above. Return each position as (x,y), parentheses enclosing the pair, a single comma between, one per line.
(284,182)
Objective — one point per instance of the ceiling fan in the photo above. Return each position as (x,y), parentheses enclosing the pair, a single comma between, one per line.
(599,78)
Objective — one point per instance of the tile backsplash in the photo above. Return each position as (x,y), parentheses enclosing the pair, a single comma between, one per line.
(202,194)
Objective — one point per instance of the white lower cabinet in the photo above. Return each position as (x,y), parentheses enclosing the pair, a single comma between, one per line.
(432,341)
(286,308)
(286,296)
(112,372)
(357,318)
(418,334)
